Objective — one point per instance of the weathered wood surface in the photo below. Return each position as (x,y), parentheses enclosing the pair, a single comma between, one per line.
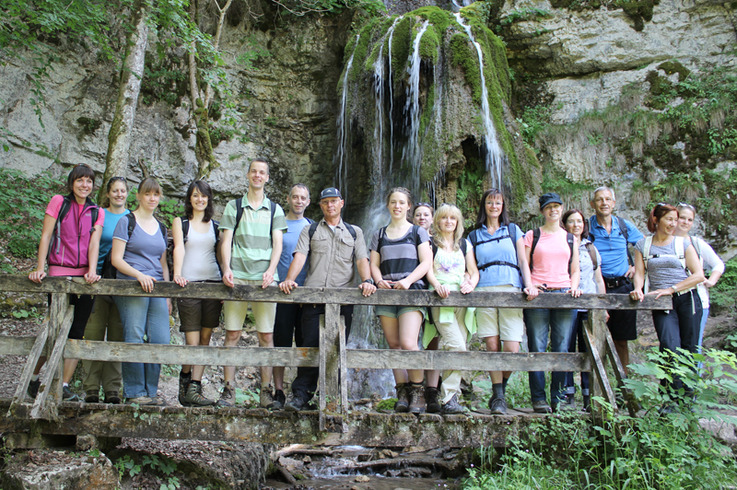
(331,323)
(17,346)
(114,287)
(261,426)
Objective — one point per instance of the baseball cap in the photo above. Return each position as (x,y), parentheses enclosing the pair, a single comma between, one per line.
(330,192)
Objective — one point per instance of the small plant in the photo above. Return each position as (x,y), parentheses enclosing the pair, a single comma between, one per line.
(250,398)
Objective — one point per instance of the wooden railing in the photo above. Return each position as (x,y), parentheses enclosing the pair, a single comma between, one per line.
(332,357)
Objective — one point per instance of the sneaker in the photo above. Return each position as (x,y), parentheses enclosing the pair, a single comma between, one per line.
(432,403)
(194,398)
(452,406)
(158,401)
(498,406)
(541,406)
(112,397)
(184,380)
(402,404)
(416,398)
(295,404)
(69,396)
(227,397)
(266,397)
(139,400)
(279,400)
(33,388)
(92,398)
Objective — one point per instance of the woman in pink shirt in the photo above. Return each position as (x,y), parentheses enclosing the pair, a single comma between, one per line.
(70,238)
(553,257)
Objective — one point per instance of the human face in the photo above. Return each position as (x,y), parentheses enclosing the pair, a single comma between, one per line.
(423,217)
(118,194)
(198,200)
(448,224)
(494,205)
(331,207)
(685,220)
(668,223)
(82,188)
(398,205)
(299,199)
(149,200)
(552,212)
(574,225)
(603,203)
(258,175)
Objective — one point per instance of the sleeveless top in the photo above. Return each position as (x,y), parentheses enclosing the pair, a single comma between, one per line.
(399,256)
(200,262)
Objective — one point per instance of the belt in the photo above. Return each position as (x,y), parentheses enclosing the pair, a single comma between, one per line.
(687,291)
(615,282)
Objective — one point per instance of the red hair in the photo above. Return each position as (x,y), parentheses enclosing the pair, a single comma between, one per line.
(660,210)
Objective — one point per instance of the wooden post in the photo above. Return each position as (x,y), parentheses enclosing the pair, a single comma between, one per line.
(33,357)
(595,336)
(330,364)
(60,322)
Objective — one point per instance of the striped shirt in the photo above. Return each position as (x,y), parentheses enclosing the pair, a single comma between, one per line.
(251,252)
(399,257)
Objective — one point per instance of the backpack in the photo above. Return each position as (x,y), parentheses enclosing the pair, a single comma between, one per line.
(415,237)
(680,247)
(351,230)
(570,239)
(512,230)
(592,253)
(56,244)
(110,272)
(239,215)
(622,224)
(215,227)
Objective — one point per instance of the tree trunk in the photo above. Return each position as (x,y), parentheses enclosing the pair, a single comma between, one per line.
(116,163)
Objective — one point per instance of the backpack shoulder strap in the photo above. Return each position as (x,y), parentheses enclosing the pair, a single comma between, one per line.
(131,223)
(680,246)
(592,222)
(646,249)
(535,239)
(238,213)
(462,245)
(592,253)
(185,227)
(571,240)
(473,237)
(313,228)
(623,227)
(271,222)
(350,229)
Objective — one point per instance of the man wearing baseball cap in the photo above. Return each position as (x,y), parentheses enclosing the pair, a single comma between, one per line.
(332,247)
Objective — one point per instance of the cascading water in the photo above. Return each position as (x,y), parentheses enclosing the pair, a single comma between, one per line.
(340,155)
(494,157)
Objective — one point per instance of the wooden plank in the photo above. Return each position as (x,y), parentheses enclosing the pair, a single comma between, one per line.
(30,365)
(16,346)
(61,314)
(197,355)
(601,385)
(619,373)
(330,396)
(467,361)
(343,371)
(334,295)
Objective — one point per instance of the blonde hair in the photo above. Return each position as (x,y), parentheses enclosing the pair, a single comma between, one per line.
(440,213)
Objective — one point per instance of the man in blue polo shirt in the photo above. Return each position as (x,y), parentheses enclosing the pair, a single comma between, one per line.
(611,236)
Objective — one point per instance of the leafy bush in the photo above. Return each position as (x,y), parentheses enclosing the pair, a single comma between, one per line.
(723,296)
(23,202)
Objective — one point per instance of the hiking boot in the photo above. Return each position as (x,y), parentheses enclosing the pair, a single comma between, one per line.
(68,396)
(402,404)
(541,406)
(431,400)
(112,397)
(139,400)
(452,406)
(33,388)
(92,398)
(184,379)
(587,403)
(266,398)
(227,397)
(498,405)
(279,401)
(416,398)
(194,398)
(295,404)
(158,401)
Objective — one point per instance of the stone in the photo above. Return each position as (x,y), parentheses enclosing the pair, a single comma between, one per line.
(56,470)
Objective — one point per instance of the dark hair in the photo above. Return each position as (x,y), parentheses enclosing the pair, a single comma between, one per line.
(567,214)
(206,191)
(300,186)
(424,205)
(113,180)
(660,210)
(481,218)
(401,190)
(79,171)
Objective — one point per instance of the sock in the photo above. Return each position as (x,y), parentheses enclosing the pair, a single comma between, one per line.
(184,375)
(504,384)
(498,389)
(34,377)
(194,381)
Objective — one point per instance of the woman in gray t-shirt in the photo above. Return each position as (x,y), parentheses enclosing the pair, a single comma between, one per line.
(672,268)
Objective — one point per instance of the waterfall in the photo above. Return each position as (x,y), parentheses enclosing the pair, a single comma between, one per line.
(412,153)
(340,155)
(380,80)
(494,156)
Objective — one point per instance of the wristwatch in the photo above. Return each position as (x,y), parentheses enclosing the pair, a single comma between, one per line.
(370,281)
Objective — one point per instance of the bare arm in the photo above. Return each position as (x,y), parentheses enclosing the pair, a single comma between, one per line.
(43,249)
(225,251)
(693,264)
(178,235)
(575,271)
(277,238)
(364,271)
(93,253)
(472,271)
(424,253)
(298,261)
(638,280)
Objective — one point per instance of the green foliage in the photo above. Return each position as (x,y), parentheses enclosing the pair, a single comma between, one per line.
(671,451)
(23,202)
(723,296)
(534,120)
(469,192)
(251,51)
(525,14)
(161,465)
(249,398)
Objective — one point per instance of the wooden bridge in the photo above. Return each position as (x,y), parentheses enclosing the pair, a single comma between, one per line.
(28,423)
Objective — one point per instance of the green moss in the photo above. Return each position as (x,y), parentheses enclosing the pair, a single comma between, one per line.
(465,57)
(360,52)
(429,45)
(671,67)
(401,44)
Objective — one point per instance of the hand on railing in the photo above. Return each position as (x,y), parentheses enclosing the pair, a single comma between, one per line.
(37,276)
(531,292)
(287,285)
(181,280)
(367,289)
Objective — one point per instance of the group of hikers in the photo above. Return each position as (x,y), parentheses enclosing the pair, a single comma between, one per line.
(256,243)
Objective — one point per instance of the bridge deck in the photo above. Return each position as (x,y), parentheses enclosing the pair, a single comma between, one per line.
(365,428)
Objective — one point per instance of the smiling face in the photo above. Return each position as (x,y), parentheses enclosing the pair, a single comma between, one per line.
(299,199)
(423,217)
(118,194)
(398,205)
(258,174)
(603,203)
(494,205)
(685,220)
(448,224)
(148,200)
(552,212)
(668,223)
(82,188)
(198,200)
(574,224)
(331,207)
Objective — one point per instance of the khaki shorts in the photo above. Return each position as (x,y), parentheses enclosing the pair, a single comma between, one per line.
(506,323)
(196,314)
(234,312)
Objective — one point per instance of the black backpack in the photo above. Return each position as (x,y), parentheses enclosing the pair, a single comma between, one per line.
(110,272)
(512,235)
(66,205)
(536,237)
(239,215)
